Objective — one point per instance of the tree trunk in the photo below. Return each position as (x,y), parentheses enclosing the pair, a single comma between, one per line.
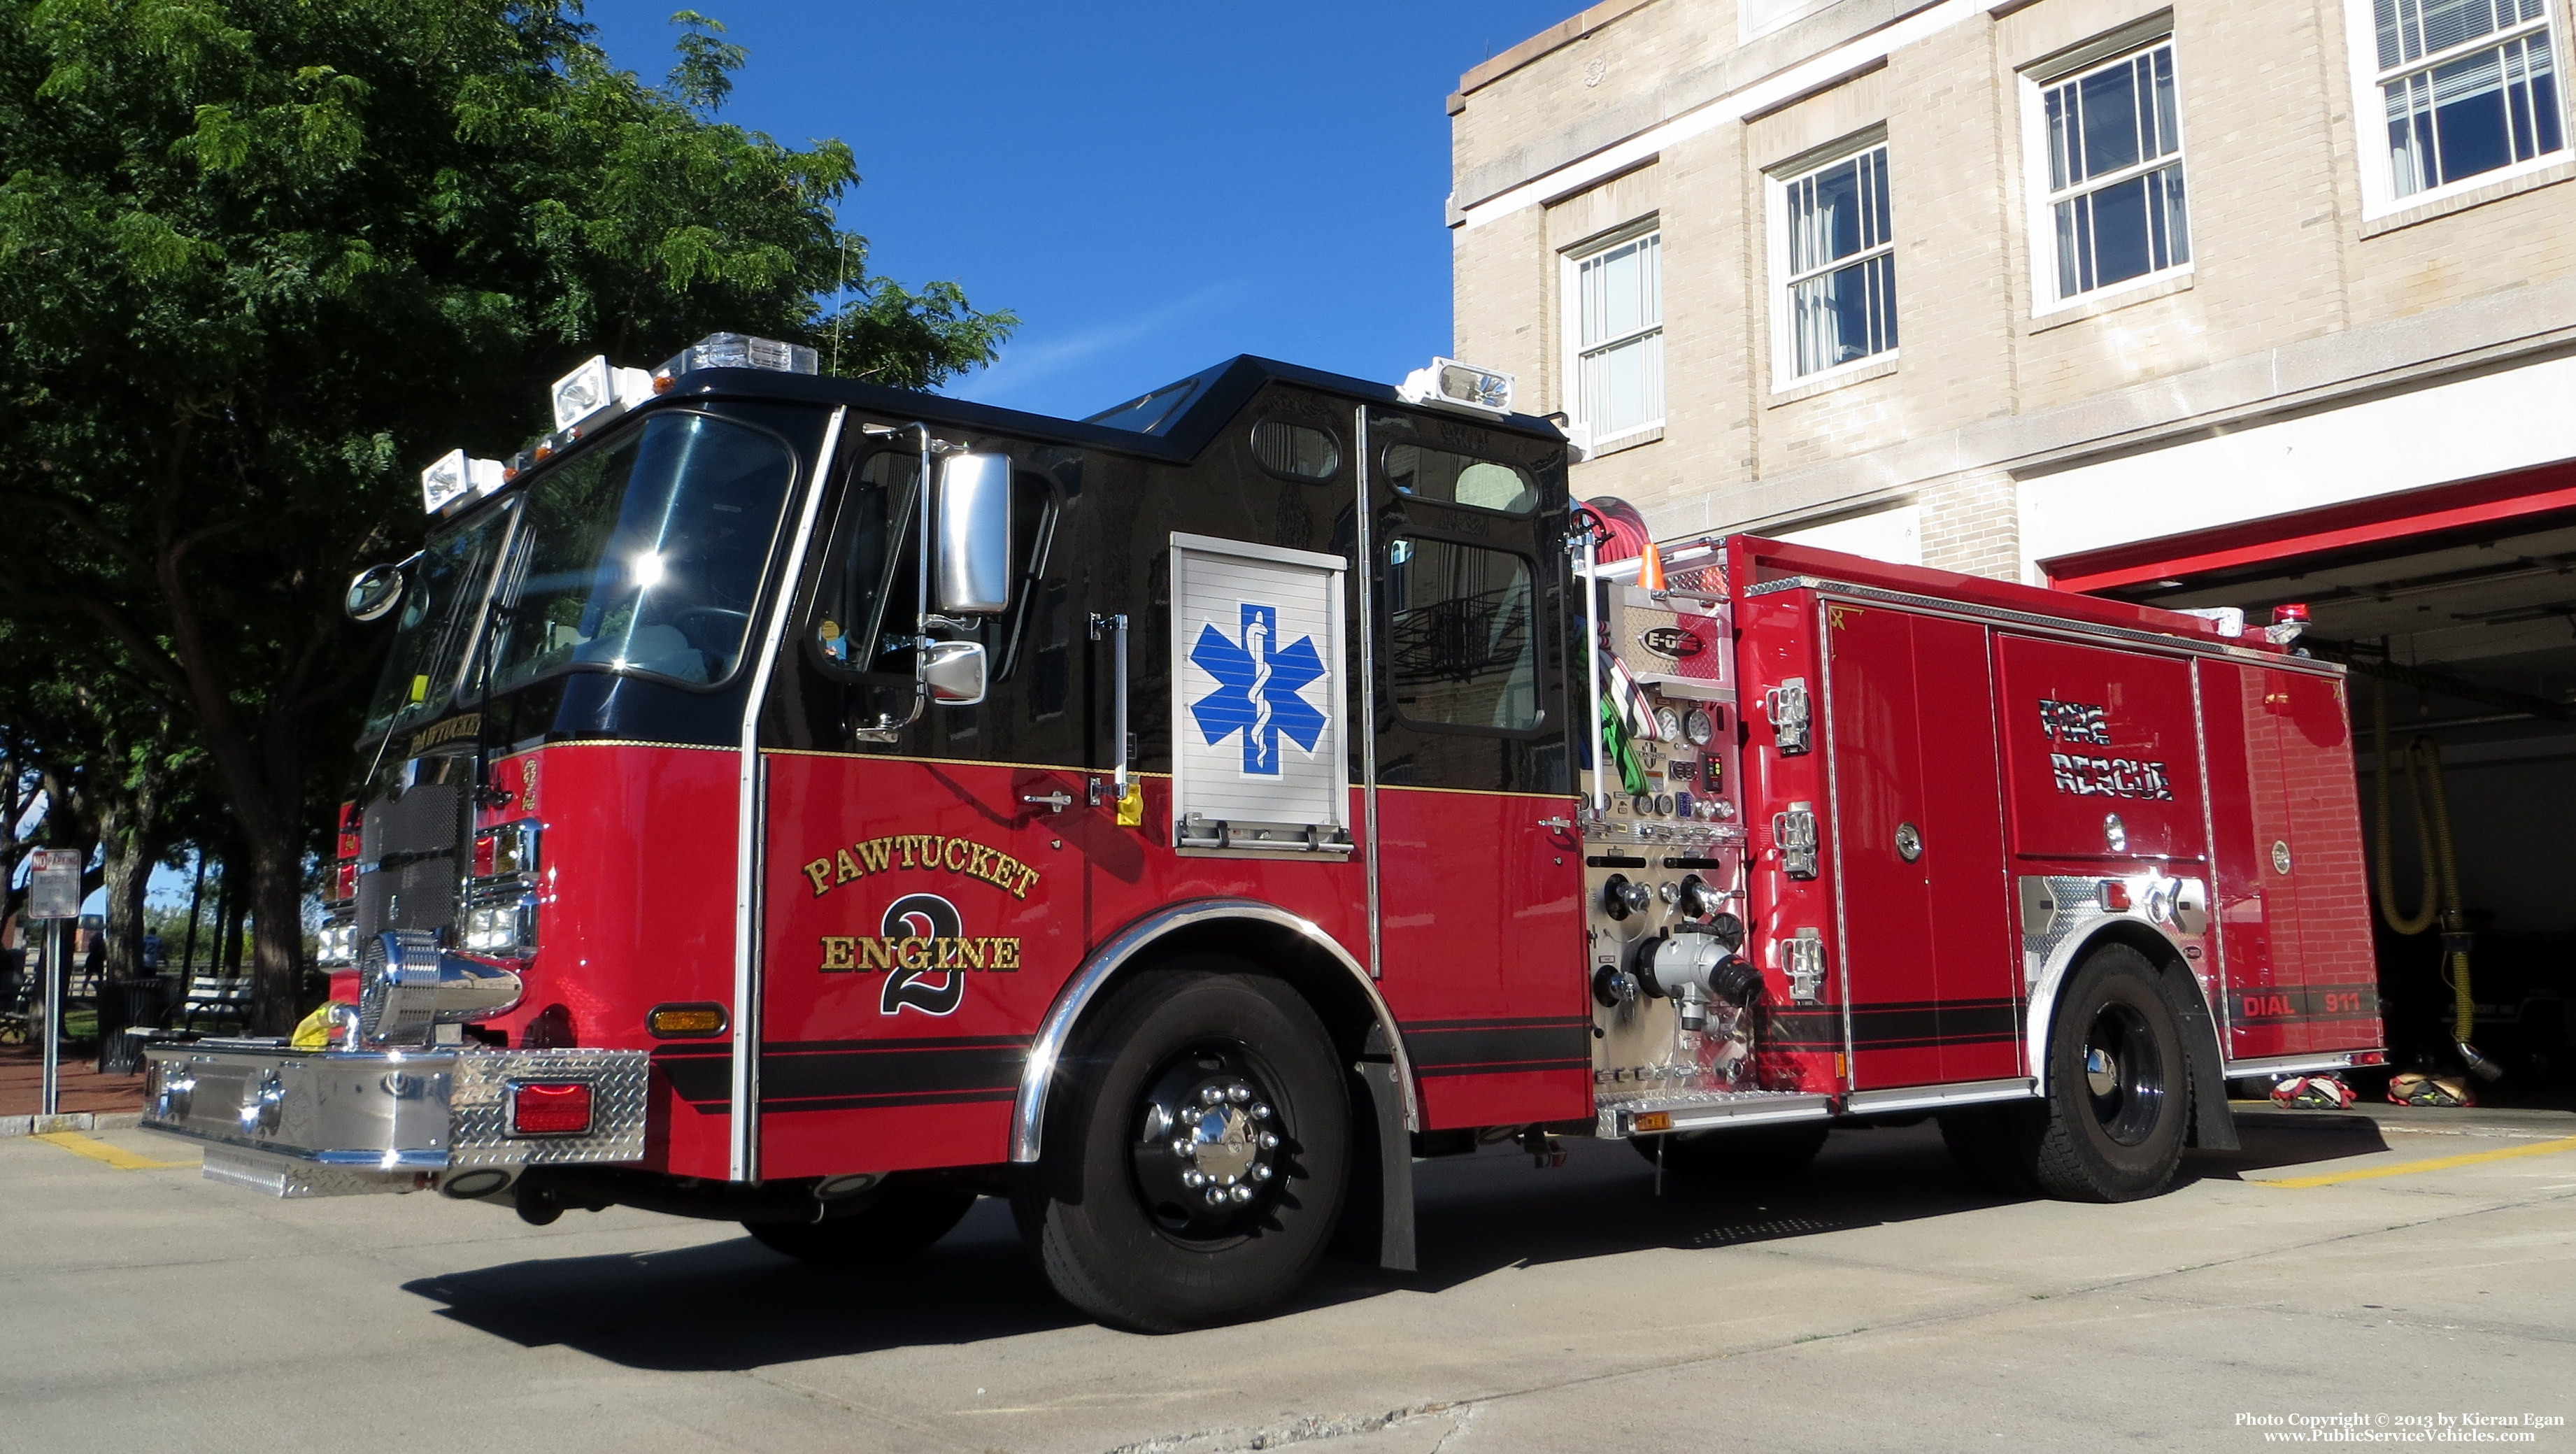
(228,924)
(196,905)
(277,934)
(126,833)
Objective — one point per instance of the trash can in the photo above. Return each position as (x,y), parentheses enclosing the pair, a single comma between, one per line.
(128,1005)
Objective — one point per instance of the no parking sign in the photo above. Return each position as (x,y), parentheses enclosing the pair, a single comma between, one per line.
(54,887)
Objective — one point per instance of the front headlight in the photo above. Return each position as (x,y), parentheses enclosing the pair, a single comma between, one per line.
(338,944)
(505,929)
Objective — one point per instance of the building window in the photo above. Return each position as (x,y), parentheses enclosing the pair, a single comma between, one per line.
(2114,205)
(1617,311)
(2465,88)
(1837,264)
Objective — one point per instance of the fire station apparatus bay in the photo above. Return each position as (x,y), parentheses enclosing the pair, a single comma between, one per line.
(1873,1302)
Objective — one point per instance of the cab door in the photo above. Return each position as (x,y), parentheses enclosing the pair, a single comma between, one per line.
(1479,892)
(919,906)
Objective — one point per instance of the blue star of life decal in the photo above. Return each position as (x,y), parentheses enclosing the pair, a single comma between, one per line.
(1259,686)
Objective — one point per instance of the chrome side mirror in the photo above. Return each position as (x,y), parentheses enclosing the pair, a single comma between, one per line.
(974,539)
(955,672)
(373,593)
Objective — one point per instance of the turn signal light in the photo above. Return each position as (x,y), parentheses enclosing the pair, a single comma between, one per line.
(686,1020)
(2115,896)
(549,1108)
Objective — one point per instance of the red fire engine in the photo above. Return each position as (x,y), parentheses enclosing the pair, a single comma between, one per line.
(815,805)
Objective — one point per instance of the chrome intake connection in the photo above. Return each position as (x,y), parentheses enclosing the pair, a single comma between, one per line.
(408,986)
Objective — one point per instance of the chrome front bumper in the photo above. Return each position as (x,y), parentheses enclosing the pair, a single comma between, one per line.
(304,1123)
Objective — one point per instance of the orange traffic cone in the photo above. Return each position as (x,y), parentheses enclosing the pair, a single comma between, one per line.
(1650,572)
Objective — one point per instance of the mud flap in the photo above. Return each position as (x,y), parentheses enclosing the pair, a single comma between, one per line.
(2213,1125)
(1394,1148)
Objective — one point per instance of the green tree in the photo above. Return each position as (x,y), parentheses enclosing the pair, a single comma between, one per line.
(260,260)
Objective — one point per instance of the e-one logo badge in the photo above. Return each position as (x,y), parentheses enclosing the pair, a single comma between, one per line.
(1673,643)
(925,953)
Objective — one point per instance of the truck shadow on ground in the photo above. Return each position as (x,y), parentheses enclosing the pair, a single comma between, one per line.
(731,1305)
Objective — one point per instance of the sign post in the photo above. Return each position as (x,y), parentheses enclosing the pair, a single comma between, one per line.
(54,893)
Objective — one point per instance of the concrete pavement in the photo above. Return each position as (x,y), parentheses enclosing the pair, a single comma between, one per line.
(1874,1303)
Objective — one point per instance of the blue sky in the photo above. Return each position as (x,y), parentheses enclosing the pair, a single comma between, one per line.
(1151,188)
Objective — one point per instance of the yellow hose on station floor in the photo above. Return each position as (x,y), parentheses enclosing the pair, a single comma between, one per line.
(2438,852)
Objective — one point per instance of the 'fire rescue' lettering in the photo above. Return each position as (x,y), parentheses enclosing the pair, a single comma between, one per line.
(927,852)
(2109,777)
(2086,776)
(2074,722)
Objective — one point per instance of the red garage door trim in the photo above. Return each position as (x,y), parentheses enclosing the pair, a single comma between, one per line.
(2494,500)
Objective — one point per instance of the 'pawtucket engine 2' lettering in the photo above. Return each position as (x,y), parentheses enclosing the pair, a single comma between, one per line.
(921,851)
(847,953)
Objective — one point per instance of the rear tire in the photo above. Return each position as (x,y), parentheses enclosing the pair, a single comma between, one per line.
(1232,1064)
(1751,1153)
(901,1221)
(2119,1087)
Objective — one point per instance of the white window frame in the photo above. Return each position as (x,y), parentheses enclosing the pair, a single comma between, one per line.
(1570,317)
(1784,328)
(2040,198)
(2379,196)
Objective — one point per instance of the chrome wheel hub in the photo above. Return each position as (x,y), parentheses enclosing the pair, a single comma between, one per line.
(2101,1071)
(1208,1147)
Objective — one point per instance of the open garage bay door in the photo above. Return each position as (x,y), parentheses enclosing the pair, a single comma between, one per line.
(2459,604)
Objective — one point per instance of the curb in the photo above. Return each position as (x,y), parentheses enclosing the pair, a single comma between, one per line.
(69,1121)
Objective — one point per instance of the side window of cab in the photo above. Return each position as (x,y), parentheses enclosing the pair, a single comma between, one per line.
(867,594)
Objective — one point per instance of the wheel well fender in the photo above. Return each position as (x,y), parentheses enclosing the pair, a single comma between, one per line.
(1289,945)
(2212,1126)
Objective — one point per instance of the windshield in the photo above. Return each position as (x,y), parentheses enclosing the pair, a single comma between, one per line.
(442,602)
(646,556)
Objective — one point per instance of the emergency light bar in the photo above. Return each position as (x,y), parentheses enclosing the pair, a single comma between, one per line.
(455,477)
(1460,386)
(594,388)
(735,351)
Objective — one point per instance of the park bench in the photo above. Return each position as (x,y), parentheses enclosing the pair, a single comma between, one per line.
(219,997)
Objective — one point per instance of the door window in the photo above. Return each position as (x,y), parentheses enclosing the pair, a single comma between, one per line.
(1462,644)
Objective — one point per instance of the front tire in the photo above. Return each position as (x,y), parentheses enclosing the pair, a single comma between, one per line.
(2119,1086)
(1197,1151)
(899,1221)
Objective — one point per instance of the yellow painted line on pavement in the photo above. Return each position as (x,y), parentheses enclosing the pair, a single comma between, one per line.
(97,1150)
(2438,1163)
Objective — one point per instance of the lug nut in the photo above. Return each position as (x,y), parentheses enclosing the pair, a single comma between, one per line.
(1184,1148)
(1260,1112)
(1194,1178)
(1238,1093)
(1260,1172)
(1215,1198)
(1243,1194)
(1269,1142)
(1210,1095)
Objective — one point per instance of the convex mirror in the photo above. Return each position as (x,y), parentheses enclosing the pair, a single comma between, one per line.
(374,592)
(955,673)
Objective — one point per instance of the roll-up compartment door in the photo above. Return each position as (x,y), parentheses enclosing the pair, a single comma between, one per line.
(1258,760)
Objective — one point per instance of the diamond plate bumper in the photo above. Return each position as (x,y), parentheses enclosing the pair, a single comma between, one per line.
(299,1123)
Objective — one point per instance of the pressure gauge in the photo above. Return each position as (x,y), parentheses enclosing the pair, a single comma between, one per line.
(1668,723)
(1698,726)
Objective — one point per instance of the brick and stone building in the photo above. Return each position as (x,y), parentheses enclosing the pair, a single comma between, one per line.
(2017,287)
